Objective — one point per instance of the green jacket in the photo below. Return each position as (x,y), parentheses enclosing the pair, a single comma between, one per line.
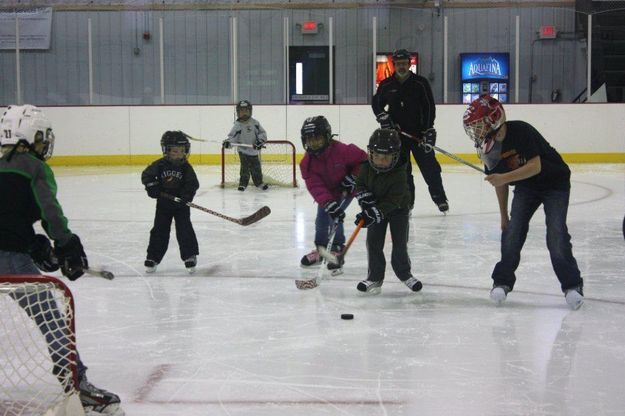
(390,189)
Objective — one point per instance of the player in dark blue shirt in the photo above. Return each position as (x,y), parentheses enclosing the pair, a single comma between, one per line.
(516,154)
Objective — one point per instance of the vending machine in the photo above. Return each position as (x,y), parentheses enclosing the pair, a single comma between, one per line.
(485,73)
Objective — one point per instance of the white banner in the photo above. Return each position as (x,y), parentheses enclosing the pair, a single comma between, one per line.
(35,27)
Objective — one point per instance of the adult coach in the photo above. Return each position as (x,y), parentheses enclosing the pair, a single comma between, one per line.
(405,101)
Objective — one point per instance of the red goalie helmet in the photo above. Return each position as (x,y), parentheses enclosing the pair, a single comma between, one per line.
(482,119)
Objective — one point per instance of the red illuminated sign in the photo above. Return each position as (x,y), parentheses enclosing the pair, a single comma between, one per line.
(309,27)
(548,32)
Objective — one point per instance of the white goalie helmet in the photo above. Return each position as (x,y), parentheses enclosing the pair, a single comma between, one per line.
(26,124)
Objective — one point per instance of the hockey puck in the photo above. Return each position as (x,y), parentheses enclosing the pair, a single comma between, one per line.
(347,316)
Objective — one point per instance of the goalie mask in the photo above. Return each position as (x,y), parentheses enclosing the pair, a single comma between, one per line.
(27,125)
(244,110)
(175,145)
(316,134)
(482,120)
(384,147)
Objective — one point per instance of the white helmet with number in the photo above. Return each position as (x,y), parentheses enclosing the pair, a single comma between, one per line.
(27,125)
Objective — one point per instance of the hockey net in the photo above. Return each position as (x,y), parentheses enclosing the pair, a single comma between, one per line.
(277,161)
(37,348)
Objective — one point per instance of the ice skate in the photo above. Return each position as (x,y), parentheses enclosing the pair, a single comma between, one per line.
(241,188)
(443,207)
(413,284)
(263,186)
(369,287)
(311,259)
(574,297)
(98,401)
(336,269)
(150,265)
(498,294)
(190,264)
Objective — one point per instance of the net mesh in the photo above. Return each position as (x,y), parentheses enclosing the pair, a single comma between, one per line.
(277,160)
(37,345)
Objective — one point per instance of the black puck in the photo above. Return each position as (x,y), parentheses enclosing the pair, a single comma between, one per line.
(347,316)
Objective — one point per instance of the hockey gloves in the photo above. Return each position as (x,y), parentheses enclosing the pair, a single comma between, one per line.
(153,188)
(385,120)
(258,144)
(72,258)
(348,184)
(226,144)
(334,210)
(371,216)
(429,137)
(365,199)
(42,254)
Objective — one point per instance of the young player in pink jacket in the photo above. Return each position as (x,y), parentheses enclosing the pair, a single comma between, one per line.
(329,169)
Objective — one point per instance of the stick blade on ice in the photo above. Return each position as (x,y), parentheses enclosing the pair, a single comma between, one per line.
(257,216)
(306,284)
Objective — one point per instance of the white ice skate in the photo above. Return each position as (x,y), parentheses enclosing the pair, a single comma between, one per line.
(498,294)
(574,298)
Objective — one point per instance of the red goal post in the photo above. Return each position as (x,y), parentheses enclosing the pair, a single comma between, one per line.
(37,348)
(278,161)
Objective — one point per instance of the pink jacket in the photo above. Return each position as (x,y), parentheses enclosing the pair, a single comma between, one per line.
(324,173)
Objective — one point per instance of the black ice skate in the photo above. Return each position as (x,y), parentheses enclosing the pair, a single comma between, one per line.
(413,284)
(370,287)
(311,259)
(99,401)
(263,186)
(150,265)
(241,188)
(190,264)
(443,207)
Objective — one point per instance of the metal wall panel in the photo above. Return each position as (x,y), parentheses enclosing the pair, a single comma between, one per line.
(197,53)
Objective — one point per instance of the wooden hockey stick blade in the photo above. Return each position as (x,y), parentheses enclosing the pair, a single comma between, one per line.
(255,217)
(101,273)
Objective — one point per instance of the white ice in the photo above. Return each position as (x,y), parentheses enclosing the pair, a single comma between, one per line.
(237,338)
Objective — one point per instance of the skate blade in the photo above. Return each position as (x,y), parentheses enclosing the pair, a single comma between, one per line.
(336,272)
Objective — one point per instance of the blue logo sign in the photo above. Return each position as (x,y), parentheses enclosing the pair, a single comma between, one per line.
(484,66)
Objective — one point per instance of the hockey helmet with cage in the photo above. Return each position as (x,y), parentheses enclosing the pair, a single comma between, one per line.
(242,105)
(317,126)
(27,125)
(175,138)
(401,54)
(384,142)
(482,120)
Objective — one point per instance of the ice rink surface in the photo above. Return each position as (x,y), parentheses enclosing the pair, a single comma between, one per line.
(237,337)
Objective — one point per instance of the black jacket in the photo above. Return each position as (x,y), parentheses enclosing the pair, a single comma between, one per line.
(175,179)
(411,103)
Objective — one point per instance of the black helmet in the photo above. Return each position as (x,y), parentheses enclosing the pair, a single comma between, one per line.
(243,104)
(400,54)
(385,142)
(175,138)
(316,126)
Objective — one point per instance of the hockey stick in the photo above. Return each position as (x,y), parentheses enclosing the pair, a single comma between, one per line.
(250,219)
(428,146)
(100,273)
(314,282)
(340,258)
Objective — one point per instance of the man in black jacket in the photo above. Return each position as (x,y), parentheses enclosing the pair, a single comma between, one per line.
(405,101)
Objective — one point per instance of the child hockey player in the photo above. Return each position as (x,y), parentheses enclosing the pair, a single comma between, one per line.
(384,197)
(516,154)
(248,132)
(27,195)
(174,176)
(329,169)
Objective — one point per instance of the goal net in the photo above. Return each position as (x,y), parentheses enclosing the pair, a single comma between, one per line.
(277,160)
(37,348)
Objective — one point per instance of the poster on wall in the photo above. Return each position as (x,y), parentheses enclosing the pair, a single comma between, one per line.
(35,27)
(491,70)
(384,67)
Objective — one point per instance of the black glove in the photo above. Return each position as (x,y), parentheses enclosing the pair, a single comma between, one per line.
(371,215)
(348,184)
(72,258)
(429,137)
(385,120)
(153,188)
(226,144)
(258,144)
(365,199)
(334,210)
(42,254)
